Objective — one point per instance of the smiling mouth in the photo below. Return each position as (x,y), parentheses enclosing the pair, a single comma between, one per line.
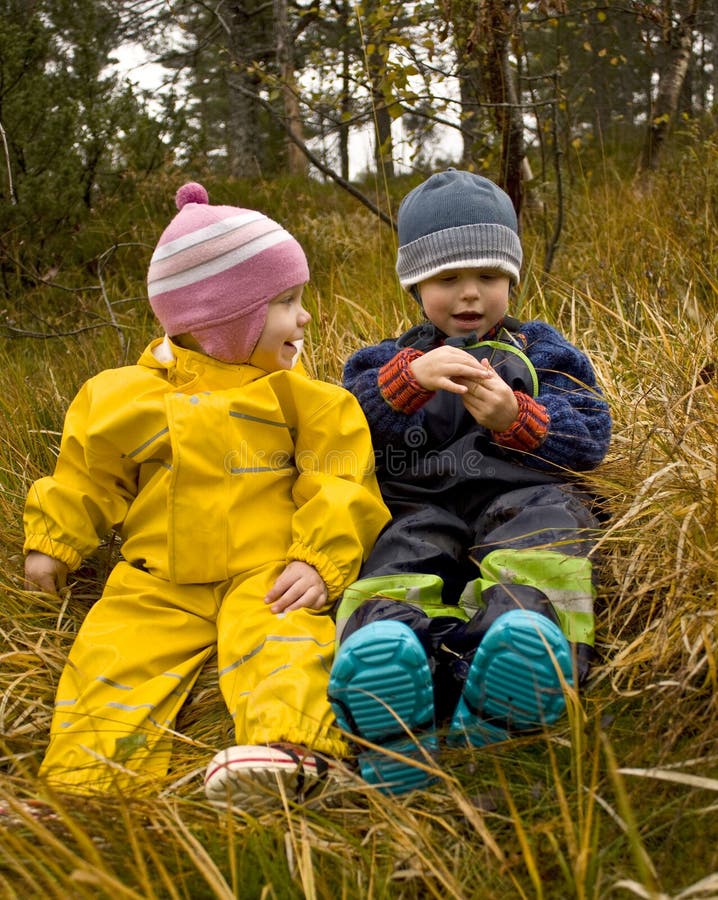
(467,317)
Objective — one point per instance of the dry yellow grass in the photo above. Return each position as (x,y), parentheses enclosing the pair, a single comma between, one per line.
(621,796)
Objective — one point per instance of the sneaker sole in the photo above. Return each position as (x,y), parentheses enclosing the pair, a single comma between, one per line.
(380,688)
(513,684)
(253,778)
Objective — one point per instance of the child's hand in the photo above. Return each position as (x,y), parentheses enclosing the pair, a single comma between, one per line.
(299,586)
(44,573)
(490,400)
(446,369)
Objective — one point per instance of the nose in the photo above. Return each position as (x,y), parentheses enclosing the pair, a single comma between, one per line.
(303,317)
(470,288)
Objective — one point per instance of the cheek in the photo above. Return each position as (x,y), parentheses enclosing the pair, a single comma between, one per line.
(435,301)
(501,298)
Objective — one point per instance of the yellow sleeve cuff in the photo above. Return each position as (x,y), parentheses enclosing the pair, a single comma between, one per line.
(329,573)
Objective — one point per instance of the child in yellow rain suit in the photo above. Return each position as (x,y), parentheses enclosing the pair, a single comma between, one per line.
(245,497)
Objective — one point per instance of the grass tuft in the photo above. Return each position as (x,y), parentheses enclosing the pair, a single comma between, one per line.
(620,797)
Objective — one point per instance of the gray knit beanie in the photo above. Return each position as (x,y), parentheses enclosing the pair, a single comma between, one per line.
(456,220)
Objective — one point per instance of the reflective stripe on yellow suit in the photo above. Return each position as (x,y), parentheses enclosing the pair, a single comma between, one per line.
(216,477)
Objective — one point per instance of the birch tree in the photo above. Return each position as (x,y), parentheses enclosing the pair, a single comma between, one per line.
(677,19)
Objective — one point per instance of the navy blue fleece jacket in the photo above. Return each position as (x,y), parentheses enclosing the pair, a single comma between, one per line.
(567,424)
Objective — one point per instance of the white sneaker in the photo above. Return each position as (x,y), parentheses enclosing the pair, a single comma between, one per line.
(254,778)
(20,812)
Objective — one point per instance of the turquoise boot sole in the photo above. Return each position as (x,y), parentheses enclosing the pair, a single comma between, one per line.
(513,684)
(381,689)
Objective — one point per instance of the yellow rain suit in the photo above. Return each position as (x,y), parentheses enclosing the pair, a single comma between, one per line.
(215,476)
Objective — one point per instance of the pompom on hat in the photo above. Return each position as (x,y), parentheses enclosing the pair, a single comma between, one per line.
(214,271)
(456,220)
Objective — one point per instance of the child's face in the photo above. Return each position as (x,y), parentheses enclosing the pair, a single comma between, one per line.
(286,318)
(459,301)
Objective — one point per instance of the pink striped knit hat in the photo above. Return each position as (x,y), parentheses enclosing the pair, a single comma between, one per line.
(214,271)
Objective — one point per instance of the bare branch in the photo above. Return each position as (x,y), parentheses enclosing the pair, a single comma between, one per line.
(317,162)
(45,335)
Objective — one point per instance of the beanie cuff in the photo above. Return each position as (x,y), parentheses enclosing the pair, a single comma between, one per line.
(482,245)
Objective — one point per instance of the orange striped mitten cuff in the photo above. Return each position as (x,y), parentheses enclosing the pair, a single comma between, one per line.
(399,387)
(530,427)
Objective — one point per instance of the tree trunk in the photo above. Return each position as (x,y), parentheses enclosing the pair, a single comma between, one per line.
(464,23)
(469,93)
(383,143)
(499,24)
(296,161)
(679,40)
(345,110)
(375,26)
(246,40)
(345,103)
(242,135)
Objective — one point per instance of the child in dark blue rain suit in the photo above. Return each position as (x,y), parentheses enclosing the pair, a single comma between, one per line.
(474,611)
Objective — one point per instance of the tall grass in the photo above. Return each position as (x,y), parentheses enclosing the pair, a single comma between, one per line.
(620,798)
